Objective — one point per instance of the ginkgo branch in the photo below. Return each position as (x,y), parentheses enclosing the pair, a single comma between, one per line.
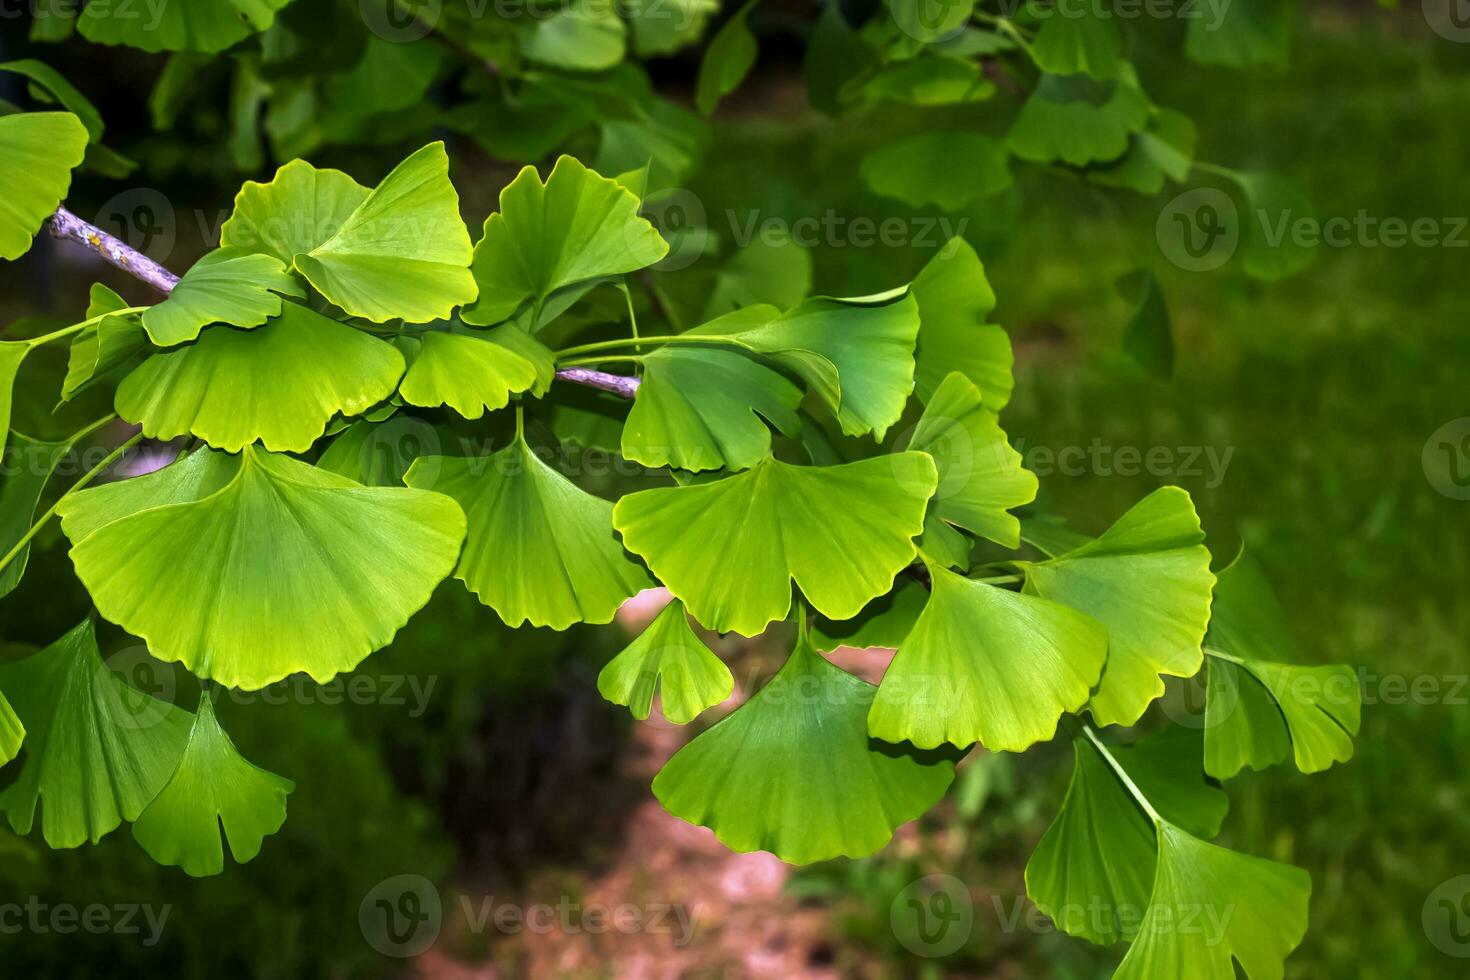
(118,253)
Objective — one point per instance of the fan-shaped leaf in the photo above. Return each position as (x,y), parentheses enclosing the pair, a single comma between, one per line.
(1147,578)
(97,750)
(1079,120)
(226,286)
(980,476)
(276,568)
(1240,906)
(540,549)
(987,665)
(212,786)
(581,36)
(111,343)
(884,622)
(793,772)
(1164,150)
(944,169)
(403,253)
(731,548)
(1093,868)
(299,209)
(669,656)
(954,299)
(727,60)
(1259,710)
(1078,38)
(472,371)
(196,25)
(576,227)
(38,152)
(279,384)
(12,732)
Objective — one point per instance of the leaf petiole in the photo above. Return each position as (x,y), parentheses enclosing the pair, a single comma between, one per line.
(78,327)
(1122,774)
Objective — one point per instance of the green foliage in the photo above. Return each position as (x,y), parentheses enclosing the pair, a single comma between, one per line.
(669,657)
(38,152)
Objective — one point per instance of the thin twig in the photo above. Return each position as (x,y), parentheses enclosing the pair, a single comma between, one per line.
(114,251)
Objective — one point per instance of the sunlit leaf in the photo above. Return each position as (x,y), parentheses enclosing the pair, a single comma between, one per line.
(110,344)
(540,549)
(1148,579)
(669,656)
(473,371)
(299,209)
(730,548)
(954,299)
(212,786)
(96,749)
(404,252)
(576,227)
(581,36)
(793,772)
(280,383)
(248,569)
(38,152)
(227,285)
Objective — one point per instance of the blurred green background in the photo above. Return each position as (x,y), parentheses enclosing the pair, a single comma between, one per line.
(1323,390)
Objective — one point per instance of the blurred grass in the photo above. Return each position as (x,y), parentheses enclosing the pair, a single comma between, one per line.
(1325,386)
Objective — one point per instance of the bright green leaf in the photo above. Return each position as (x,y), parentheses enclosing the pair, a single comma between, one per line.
(249,569)
(984,664)
(730,548)
(1242,906)
(1148,579)
(540,549)
(38,152)
(298,210)
(954,299)
(576,227)
(793,772)
(980,476)
(582,36)
(669,656)
(404,252)
(213,786)
(476,371)
(227,285)
(97,750)
(110,344)
(280,383)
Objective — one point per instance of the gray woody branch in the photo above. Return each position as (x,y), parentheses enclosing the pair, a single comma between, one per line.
(114,251)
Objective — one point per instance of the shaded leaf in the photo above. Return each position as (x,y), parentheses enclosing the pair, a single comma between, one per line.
(475,371)
(945,169)
(29,464)
(110,344)
(198,25)
(728,59)
(1242,34)
(1079,120)
(1164,150)
(1149,338)
(884,622)
(1078,38)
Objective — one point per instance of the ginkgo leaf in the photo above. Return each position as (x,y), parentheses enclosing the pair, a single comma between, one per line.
(29,464)
(1209,904)
(944,169)
(1148,579)
(730,548)
(669,656)
(944,544)
(856,355)
(12,732)
(662,27)
(280,383)
(38,152)
(282,568)
(540,549)
(884,622)
(198,25)
(110,344)
(580,36)
(1259,710)
(954,299)
(300,208)
(984,664)
(227,285)
(97,750)
(403,253)
(12,353)
(1078,38)
(475,371)
(1164,150)
(927,81)
(706,408)
(1079,120)
(1242,34)
(1092,870)
(576,227)
(1269,251)
(792,771)
(980,476)
(727,60)
(1148,339)
(212,786)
